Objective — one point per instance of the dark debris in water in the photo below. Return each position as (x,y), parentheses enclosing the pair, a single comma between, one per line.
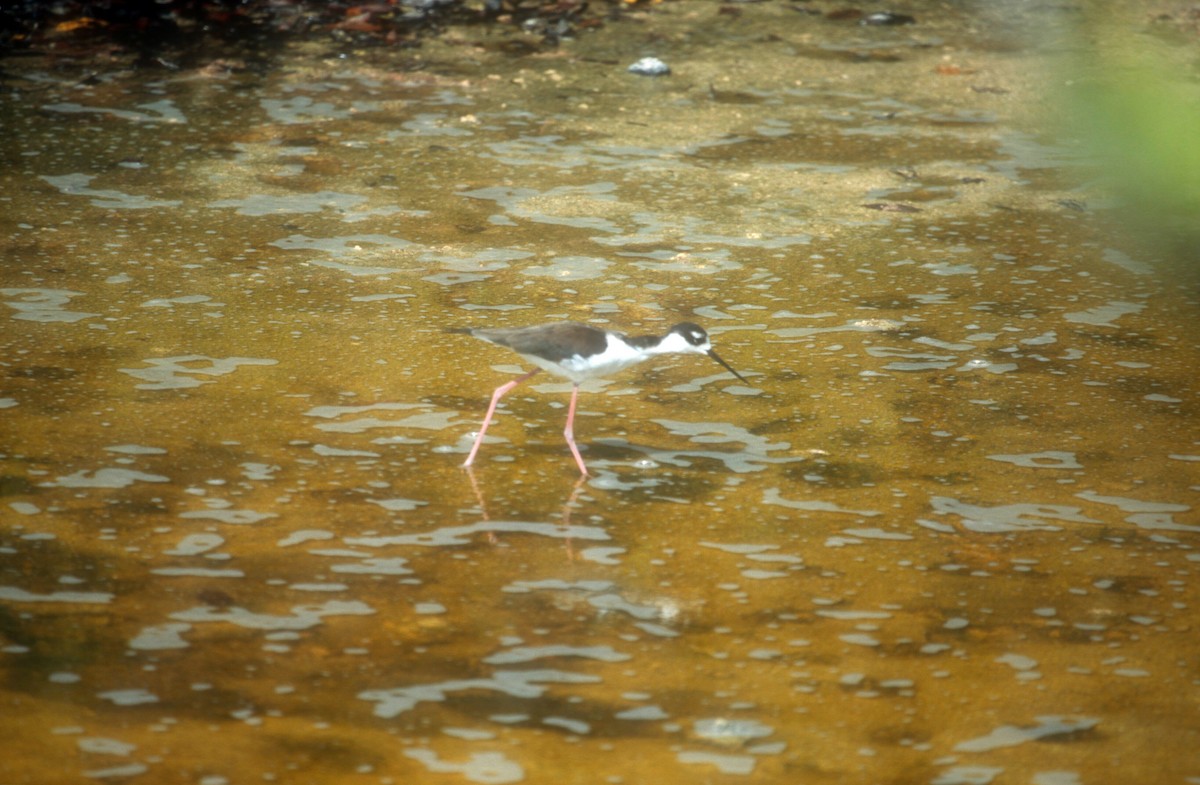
(185,34)
(892,207)
(836,474)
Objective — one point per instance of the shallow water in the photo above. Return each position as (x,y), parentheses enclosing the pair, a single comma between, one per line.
(946,535)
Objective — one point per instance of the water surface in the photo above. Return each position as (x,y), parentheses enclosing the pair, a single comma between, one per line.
(947,534)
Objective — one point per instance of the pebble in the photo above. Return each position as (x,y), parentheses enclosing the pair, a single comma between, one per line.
(650,66)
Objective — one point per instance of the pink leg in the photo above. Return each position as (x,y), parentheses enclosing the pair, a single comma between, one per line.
(569,431)
(501,391)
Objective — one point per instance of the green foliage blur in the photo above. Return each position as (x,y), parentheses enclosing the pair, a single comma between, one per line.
(1137,101)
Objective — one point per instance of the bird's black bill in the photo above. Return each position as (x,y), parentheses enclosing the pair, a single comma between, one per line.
(727,366)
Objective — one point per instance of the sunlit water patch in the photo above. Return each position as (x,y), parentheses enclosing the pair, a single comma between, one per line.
(164,111)
(44,305)
(79,185)
(181,372)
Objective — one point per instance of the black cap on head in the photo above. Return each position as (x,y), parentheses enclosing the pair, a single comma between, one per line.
(696,336)
(691,332)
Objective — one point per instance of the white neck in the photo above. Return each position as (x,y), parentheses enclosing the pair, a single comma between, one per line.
(674,343)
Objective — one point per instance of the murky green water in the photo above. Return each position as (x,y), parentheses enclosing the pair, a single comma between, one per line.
(947,535)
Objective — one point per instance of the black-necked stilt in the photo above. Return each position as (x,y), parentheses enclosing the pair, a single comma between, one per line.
(580,352)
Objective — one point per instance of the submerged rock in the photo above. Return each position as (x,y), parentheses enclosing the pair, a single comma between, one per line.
(650,66)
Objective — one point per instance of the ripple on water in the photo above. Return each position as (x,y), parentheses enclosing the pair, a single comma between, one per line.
(44,305)
(431,124)
(282,204)
(197,572)
(576,206)
(223,511)
(724,762)
(373,566)
(129,697)
(515,684)
(302,110)
(398,505)
(351,254)
(462,535)
(187,299)
(569,268)
(14,594)
(854,325)
(1145,515)
(489,768)
(302,617)
(1003,517)
(556,584)
(774,496)
(648,713)
(179,372)
(724,730)
(77,185)
(699,262)
(305,535)
(1104,315)
(194,544)
(912,360)
(1013,735)
(1047,459)
(475,261)
(752,457)
(135,449)
(427,419)
(520,654)
(875,533)
(104,478)
(326,451)
(162,111)
(160,637)
(105,746)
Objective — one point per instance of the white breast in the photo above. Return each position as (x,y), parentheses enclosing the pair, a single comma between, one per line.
(616,356)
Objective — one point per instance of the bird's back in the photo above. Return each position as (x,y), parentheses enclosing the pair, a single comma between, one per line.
(553,342)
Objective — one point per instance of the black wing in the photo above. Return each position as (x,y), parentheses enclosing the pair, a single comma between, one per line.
(554,342)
